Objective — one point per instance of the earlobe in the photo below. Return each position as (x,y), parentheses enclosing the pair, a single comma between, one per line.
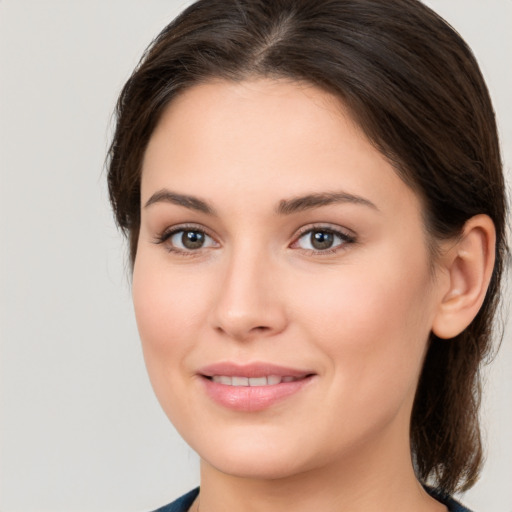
(469,265)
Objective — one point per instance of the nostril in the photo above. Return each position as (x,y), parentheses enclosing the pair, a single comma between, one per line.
(239,318)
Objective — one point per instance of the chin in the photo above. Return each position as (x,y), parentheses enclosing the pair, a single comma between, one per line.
(261,467)
(264,460)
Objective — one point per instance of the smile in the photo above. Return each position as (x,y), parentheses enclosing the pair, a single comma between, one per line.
(253,387)
(271,380)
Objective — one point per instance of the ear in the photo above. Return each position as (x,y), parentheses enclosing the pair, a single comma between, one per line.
(468,266)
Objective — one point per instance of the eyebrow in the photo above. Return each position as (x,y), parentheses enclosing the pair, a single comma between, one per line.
(285,206)
(298,204)
(190,202)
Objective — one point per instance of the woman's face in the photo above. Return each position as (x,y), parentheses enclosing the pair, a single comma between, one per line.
(282,285)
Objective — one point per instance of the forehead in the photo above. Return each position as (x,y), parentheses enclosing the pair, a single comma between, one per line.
(265,139)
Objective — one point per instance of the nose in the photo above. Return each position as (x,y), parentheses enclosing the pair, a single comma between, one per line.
(248,304)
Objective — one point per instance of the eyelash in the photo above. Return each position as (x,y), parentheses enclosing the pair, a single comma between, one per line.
(167,234)
(345,239)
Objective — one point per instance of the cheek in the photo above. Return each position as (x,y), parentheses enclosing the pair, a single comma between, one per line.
(373,323)
(167,302)
(166,310)
(353,301)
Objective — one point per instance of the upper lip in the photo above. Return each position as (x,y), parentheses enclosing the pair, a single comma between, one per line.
(259,369)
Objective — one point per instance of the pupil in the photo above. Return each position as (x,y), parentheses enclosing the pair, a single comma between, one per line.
(322,240)
(192,239)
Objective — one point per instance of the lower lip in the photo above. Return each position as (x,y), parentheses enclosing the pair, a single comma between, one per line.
(252,398)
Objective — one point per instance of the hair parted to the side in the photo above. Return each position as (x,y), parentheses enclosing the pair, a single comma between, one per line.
(415,89)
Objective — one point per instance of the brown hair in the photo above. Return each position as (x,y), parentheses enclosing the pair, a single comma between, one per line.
(415,88)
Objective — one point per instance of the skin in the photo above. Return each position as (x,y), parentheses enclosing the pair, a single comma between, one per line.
(358,316)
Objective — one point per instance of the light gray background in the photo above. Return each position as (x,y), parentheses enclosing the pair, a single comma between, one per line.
(80,429)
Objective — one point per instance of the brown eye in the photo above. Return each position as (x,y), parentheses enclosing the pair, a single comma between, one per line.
(322,240)
(190,240)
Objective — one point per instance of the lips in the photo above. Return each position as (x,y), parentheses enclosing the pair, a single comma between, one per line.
(253,387)
(270,380)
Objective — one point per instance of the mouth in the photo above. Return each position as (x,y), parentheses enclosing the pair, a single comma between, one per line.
(253,387)
(270,380)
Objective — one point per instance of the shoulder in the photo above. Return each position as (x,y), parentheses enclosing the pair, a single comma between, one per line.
(181,504)
(451,504)
(455,506)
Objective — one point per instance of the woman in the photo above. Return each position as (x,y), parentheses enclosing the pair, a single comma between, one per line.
(315,206)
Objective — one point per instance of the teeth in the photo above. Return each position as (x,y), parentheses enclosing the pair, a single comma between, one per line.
(271,380)
(225,380)
(240,381)
(258,381)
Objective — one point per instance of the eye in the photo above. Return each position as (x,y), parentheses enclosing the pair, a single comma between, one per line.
(186,240)
(322,240)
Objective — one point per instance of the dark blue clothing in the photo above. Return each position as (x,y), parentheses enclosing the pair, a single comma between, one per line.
(183,504)
(453,506)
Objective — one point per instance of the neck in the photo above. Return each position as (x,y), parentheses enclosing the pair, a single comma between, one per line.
(380,479)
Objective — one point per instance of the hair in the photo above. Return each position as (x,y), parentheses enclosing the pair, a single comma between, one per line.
(414,87)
